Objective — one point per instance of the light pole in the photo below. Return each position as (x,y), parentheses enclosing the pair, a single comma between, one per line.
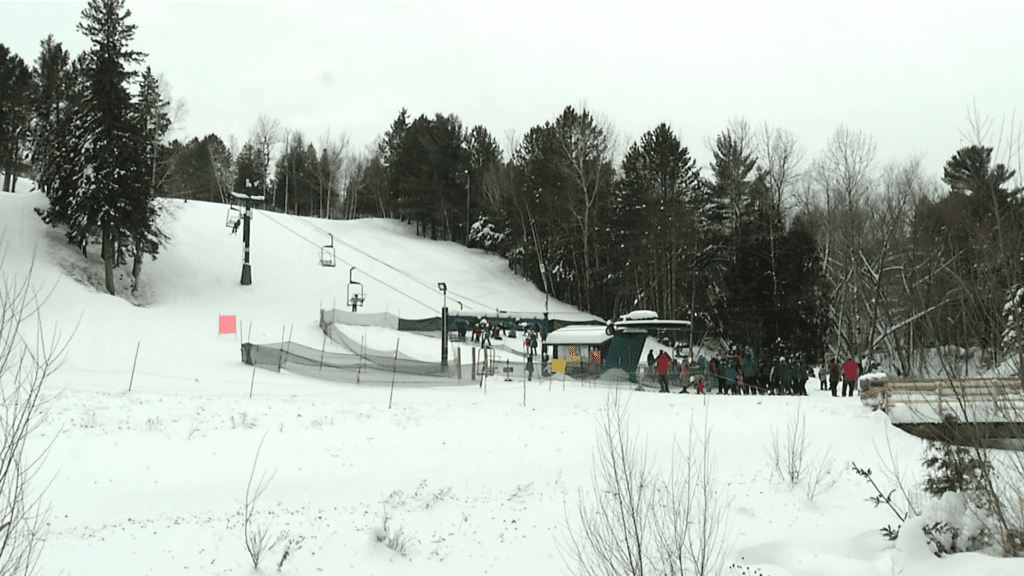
(444,324)
(467,208)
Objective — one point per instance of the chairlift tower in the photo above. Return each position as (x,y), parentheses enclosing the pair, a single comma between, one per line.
(249,200)
(443,287)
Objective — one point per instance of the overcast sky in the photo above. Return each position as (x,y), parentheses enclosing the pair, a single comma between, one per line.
(906,73)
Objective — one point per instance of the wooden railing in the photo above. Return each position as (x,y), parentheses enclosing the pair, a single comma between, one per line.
(1004,394)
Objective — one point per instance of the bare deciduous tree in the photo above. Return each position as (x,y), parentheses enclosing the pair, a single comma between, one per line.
(266,134)
(641,522)
(28,357)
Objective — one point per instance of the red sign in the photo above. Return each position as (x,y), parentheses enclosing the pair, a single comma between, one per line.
(227,324)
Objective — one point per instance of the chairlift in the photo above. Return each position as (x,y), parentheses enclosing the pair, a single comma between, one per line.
(327,254)
(355,295)
(234,216)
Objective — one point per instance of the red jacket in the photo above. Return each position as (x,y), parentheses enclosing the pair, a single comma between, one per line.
(663,361)
(850,370)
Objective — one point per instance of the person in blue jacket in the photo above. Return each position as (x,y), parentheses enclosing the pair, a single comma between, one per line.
(729,374)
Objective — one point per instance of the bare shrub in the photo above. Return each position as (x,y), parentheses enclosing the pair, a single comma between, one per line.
(820,477)
(258,539)
(28,357)
(639,521)
(788,454)
(394,538)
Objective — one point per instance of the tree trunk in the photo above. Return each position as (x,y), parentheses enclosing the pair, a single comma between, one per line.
(137,265)
(108,259)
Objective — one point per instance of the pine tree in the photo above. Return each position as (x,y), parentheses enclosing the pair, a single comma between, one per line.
(66,162)
(151,116)
(52,75)
(653,230)
(15,99)
(116,186)
(102,185)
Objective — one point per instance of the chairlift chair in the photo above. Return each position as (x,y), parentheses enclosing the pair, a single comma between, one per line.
(355,295)
(234,215)
(327,253)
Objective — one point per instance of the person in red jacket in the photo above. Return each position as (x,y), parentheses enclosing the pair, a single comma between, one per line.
(663,361)
(849,377)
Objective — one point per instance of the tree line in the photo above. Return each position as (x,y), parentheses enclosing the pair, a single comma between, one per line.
(836,255)
(840,255)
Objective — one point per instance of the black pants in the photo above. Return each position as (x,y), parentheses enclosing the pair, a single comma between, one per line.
(848,384)
(833,385)
(663,380)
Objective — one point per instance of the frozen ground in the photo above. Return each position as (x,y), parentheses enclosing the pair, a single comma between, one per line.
(152,481)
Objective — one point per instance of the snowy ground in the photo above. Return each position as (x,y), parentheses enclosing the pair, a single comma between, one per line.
(152,481)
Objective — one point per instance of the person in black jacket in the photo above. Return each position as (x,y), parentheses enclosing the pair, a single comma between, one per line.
(833,376)
(799,378)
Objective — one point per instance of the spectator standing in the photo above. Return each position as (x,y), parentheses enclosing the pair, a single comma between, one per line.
(712,380)
(729,374)
(833,376)
(485,334)
(800,378)
(775,380)
(764,378)
(749,371)
(850,373)
(663,361)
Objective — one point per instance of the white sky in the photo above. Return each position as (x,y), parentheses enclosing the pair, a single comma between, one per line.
(905,74)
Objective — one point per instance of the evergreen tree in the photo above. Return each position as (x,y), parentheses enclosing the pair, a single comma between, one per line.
(250,167)
(15,111)
(483,193)
(52,76)
(152,118)
(103,188)
(66,162)
(653,231)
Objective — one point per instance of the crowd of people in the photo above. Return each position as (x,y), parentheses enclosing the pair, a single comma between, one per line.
(743,374)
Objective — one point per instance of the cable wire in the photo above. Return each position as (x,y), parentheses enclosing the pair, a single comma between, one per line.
(407,275)
(414,299)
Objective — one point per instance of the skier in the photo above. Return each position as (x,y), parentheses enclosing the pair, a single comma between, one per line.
(234,227)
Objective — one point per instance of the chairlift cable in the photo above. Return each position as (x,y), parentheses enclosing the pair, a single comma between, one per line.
(403,273)
(414,299)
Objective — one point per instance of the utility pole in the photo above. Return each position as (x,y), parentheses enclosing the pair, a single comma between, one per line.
(247,216)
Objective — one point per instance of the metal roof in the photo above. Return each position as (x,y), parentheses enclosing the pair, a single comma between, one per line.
(578,335)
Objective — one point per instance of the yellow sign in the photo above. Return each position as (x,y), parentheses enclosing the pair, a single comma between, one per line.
(558,365)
